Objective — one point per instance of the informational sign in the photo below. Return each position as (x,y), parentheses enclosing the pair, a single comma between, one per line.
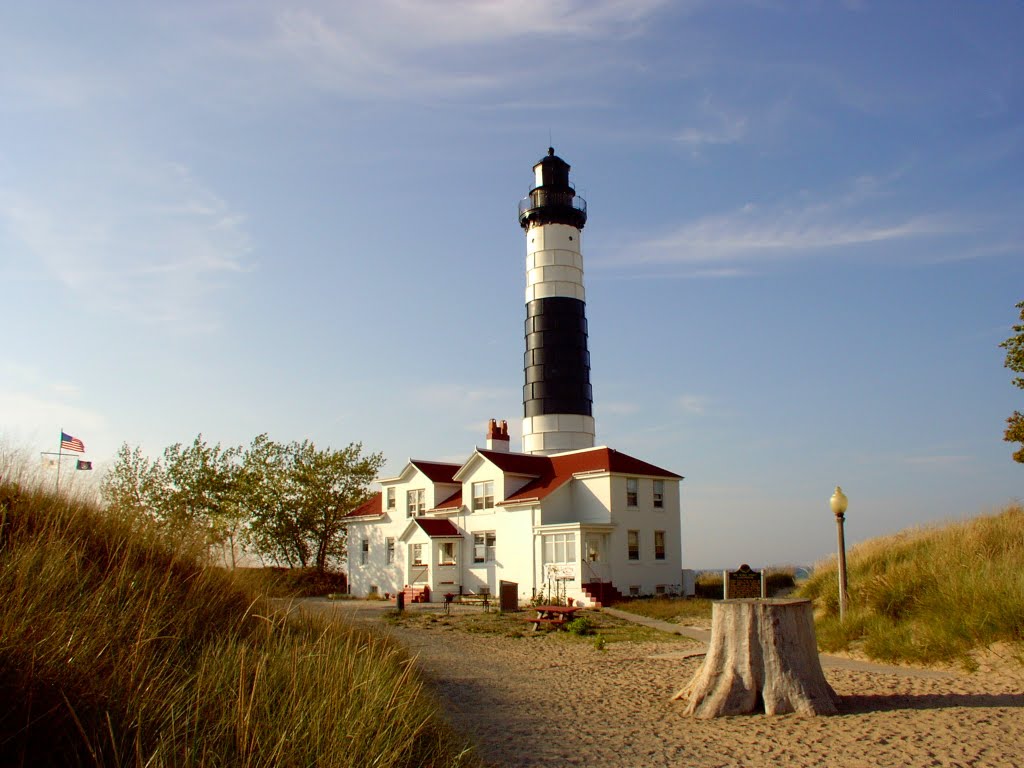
(743,583)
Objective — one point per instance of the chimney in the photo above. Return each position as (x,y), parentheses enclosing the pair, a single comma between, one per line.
(497,436)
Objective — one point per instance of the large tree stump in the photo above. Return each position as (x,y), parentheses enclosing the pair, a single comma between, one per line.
(762,654)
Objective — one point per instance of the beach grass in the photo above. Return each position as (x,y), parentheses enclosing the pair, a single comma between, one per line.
(927,595)
(120,648)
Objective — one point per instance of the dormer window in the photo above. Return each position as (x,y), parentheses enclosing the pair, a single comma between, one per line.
(415,502)
(483,495)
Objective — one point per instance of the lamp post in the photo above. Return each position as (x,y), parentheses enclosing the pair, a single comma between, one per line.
(839,502)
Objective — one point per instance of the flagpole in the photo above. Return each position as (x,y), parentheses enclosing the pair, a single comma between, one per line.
(60,448)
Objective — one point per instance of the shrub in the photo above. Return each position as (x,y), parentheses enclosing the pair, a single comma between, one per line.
(581,625)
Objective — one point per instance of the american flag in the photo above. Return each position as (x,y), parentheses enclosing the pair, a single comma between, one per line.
(69,443)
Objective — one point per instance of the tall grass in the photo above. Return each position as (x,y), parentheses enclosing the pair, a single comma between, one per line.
(930,594)
(117,648)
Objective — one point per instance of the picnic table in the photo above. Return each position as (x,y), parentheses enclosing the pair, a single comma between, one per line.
(552,615)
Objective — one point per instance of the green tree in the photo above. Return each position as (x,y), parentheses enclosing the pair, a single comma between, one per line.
(133,484)
(1014,347)
(299,496)
(201,493)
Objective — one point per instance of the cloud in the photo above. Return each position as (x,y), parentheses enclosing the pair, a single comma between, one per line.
(36,405)
(758,232)
(399,49)
(150,242)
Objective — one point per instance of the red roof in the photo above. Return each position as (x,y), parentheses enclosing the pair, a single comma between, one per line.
(554,471)
(369,507)
(437,528)
(436,471)
(452,502)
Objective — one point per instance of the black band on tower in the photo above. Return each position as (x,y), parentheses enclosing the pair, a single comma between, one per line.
(557,363)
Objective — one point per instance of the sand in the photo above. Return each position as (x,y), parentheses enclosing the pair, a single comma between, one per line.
(539,703)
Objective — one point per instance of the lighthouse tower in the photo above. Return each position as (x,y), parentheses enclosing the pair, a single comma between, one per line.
(557,397)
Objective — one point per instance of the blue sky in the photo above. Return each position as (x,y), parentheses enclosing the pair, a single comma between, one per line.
(804,245)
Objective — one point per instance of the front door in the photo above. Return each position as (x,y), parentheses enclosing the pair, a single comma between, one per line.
(595,557)
(419,571)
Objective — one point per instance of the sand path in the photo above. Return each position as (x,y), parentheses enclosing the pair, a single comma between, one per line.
(546,702)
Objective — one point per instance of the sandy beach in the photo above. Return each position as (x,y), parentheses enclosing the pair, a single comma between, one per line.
(526,705)
(547,702)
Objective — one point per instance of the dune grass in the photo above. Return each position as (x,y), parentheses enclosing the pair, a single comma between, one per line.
(117,648)
(930,594)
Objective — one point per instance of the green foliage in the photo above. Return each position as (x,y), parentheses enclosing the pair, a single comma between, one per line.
(118,647)
(286,502)
(1014,347)
(928,595)
(581,625)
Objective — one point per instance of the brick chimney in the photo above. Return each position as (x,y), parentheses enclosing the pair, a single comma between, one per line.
(497,436)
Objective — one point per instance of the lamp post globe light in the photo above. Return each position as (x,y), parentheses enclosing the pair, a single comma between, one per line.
(839,502)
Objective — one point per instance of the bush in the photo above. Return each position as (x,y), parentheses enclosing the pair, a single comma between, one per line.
(581,625)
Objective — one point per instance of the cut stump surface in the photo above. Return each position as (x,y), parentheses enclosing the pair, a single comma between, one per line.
(763,656)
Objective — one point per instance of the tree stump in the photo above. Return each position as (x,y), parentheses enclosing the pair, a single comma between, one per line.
(762,654)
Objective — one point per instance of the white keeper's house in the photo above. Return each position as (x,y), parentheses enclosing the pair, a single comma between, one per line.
(563,515)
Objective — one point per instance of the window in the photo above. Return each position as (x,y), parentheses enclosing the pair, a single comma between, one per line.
(448,550)
(560,548)
(389,550)
(632,491)
(633,543)
(659,589)
(659,545)
(415,502)
(374,589)
(364,551)
(417,554)
(634,590)
(483,495)
(659,494)
(391,498)
(483,547)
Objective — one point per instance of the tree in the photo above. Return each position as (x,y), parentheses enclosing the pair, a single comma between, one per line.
(1014,347)
(134,484)
(299,496)
(201,492)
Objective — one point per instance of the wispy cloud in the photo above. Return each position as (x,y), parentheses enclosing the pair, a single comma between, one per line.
(149,242)
(396,49)
(759,232)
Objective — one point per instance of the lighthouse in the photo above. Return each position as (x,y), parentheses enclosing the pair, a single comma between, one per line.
(557,397)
